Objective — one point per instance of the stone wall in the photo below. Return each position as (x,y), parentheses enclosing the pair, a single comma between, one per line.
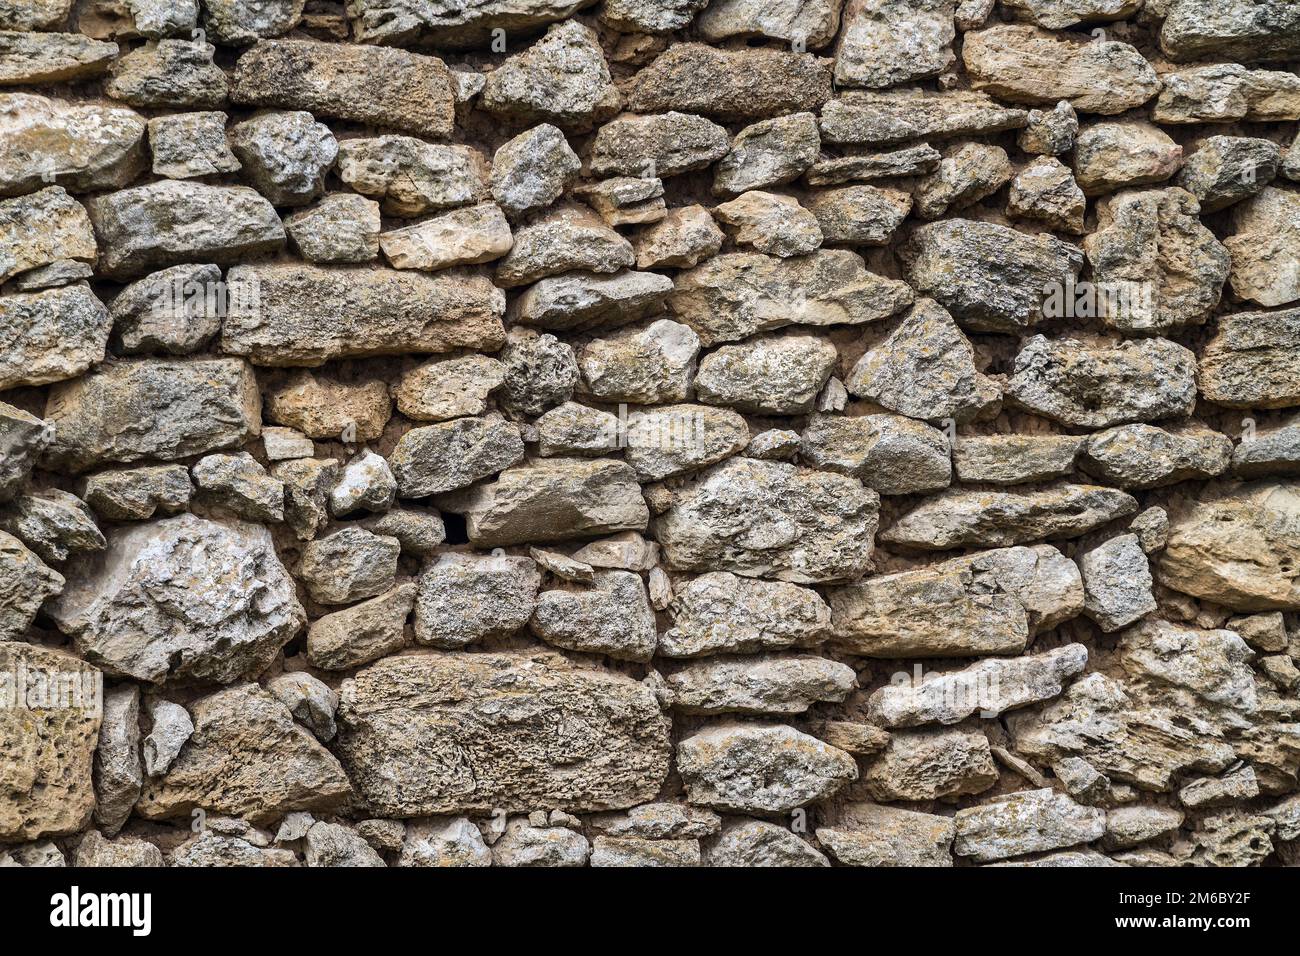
(649,432)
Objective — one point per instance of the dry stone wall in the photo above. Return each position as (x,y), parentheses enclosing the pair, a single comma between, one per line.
(649,432)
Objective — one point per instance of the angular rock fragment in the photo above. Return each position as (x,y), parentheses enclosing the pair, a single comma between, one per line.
(247,758)
(770,223)
(658,146)
(176,310)
(361,633)
(682,238)
(613,617)
(365,484)
(718,613)
(52,523)
(671,440)
(1249,363)
(963,518)
(770,519)
(631,851)
(732,296)
(1030,821)
(289,314)
(1116,583)
(991,278)
(532,170)
(990,688)
(348,565)
(1131,826)
(170,222)
(1144,456)
(1236,547)
(561,79)
(1165,269)
(95,851)
(1265,247)
(81,147)
(1046,192)
(1223,92)
(779,375)
(28,583)
(310,700)
(1120,155)
(871,834)
(179,599)
(540,371)
(647,364)
(760,768)
(890,453)
(239,484)
(576,301)
(895,116)
(33,14)
(626,200)
(47,751)
(525,845)
(341,228)
(285,155)
(118,774)
(988,603)
(966,174)
(870,167)
(1236,29)
(887,42)
(753,843)
(1087,386)
(191,145)
(395,22)
(565,238)
(1274,451)
(925,369)
(134,494)
(23,437)
(659,821)
(444,842)
(455,732)
(1024,64)
(465,598)
(649,16)
(410,177)
(1227,169)
(234,23)
(152,408)
(1050,132)
(859,215)
(326,408)
(437,458)
(449,388)
(932,763)
(41,229)
(375,86)
(747,83)
(554,499)
(768,153)
(812,25)
(307,484)
(172,729)
(174,74)
(51,336)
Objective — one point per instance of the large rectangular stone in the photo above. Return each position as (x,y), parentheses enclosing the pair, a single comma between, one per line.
(451,732)
(288,314)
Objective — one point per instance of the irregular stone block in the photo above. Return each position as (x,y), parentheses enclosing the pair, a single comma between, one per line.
(1027,822)
(719,612)
(770,519)
(152,408)
(988,603)
(760,768)
(766,685)
(453,732)
(932,763)
(51,336)
(81,147)
(375,86)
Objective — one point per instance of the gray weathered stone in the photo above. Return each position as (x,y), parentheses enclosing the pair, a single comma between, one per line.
(719,612)
(1030,821)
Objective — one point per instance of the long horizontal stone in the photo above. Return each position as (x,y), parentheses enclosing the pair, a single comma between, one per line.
(452,732)
(289,314)
(1027,822)
(553,499)
(987,603)
(893,116)
(376,86)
